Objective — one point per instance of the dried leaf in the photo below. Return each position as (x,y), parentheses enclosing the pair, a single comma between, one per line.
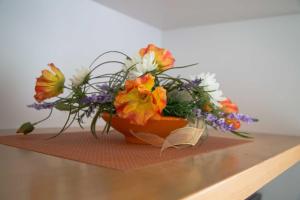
(149,138)
(183,136)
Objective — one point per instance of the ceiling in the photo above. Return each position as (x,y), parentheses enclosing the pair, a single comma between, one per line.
(172,14)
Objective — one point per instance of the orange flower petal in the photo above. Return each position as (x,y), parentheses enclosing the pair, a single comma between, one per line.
(160,98)
(48,76)
(228,106)
(57,72)
(49,84)
(236,124)
(163,57)
(129,84)
(145,82)
(138,103)
(135,106)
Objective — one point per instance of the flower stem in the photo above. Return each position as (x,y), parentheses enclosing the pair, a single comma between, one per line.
(44,118)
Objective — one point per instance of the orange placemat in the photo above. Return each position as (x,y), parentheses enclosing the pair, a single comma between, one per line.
(109,150)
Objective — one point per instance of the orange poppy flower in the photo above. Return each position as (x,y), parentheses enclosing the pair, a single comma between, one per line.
(49,84)
(228,106)
(138,102)
(163,57)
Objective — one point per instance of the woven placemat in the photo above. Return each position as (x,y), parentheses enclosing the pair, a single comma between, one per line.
(110,150)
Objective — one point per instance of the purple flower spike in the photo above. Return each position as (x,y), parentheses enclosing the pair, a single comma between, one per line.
(104,87)
(218,122)
(41,106)
(100,98)
(241,117)
(211,117)
(221,123)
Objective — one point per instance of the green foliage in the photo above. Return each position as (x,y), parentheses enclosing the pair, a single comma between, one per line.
(64,106)
(175,108)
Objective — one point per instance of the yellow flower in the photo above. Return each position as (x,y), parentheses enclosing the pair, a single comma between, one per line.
(49,84)
(163,57)
(138,102)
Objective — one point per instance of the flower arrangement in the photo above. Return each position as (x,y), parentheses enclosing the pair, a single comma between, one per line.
(140,91)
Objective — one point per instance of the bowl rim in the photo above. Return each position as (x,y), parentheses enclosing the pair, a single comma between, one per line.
(160,118)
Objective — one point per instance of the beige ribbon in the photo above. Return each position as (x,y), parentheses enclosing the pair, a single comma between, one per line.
(179,138)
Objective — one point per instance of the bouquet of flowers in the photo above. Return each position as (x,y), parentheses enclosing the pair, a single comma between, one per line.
(140,91)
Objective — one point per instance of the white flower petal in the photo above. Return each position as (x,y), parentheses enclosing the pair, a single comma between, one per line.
(142,65)
(80,76)
(210,85)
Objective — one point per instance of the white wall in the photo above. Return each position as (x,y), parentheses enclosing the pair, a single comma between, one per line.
(257,63)
(70,33)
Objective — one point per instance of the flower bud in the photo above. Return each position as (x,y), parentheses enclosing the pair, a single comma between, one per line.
(26,128)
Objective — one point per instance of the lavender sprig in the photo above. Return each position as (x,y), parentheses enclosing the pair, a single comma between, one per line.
(97,98)
(105,95)
(87,113)
(220,120)
(219,123)
(104,88)
(41,106)
(241,117)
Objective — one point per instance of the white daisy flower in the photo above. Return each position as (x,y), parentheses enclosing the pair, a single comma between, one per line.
(80,77)
(210,85)
(140,65)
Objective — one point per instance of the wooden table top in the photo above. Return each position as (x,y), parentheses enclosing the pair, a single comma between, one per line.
(227,174)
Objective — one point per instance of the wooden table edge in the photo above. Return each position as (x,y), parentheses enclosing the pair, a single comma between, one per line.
(247,182)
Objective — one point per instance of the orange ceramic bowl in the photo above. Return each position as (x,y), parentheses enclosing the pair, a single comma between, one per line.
(161,127)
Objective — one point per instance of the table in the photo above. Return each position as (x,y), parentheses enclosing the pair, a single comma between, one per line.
(227,174)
